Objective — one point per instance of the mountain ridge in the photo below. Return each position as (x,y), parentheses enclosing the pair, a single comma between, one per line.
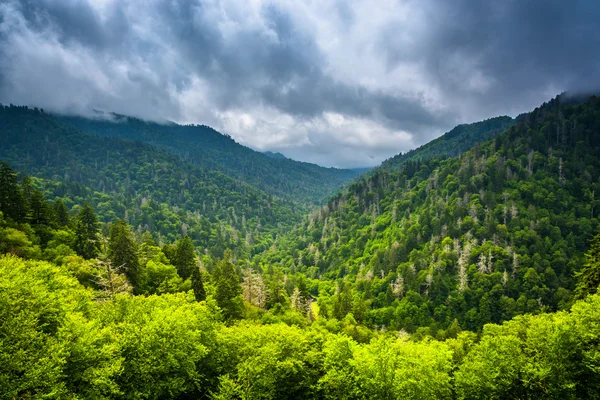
(305,183)
(495,232)
(151,188)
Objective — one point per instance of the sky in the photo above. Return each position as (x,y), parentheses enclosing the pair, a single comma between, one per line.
(345,83)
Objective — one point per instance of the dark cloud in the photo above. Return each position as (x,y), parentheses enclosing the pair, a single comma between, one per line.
(316,80)
(521,49)
(76,20)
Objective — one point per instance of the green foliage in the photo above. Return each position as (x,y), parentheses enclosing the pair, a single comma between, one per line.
(12,202)
(589,276)
(198,284)
(269,362)
(162,278)
(123,253)
(184,257)
(87,242)
(162,341)
(546,356)
(451,144)
(151,189)
(292,180)
(57,342)
(496,232)
(228,290)
(421,256)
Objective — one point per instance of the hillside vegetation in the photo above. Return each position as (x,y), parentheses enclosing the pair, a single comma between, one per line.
(150,188)
(127,272)
(301,182)
(451,144)
(465,241)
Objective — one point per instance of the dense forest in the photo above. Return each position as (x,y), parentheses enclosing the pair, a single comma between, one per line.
(452,143)
(150,188)
(302,182)
(128,271)
(496,232)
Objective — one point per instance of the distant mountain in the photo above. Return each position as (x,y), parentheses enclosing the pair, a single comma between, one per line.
(277,156)
(152,189)
(452,143)
(300,182)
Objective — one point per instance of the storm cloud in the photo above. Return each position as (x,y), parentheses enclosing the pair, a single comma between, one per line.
(339,83)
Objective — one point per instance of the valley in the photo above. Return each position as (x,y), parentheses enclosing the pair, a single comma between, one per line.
(147,260)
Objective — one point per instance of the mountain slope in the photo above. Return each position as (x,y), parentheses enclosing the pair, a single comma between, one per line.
(289,179)
(496,232)
(151,188)
(277,155)
(460,139)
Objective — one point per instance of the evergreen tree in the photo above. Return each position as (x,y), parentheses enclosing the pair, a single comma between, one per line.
(61,213)
(87,243)
(197,284)
(12,201)
(589,276)
(122,251)
(185,257)
(342,301)
(40,212)
(276,289)
(228,288)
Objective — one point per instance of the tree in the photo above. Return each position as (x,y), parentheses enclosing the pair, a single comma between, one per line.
(276,289)
(301,297)
(110,280)
(342,300)
(122,251)
(197,284)
(253,287)
(228,292)
(87,243)
(589,276)
(12,200)
(185,257)
(61,213)
(40,211)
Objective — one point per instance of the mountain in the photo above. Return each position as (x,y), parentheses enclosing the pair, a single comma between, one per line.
(460,139)
(433,243)
(406,267)
(152,189)
(277,156)
(301,182)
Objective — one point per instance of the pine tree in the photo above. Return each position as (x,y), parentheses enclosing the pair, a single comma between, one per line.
(342,300)
(275,292)
(184,257)
(589,276)
(40,211)
(12,200)
(228,292)
(61,213)
(122,252)
(87,243)
(198,284)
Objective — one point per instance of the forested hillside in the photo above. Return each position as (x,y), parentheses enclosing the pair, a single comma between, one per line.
(150,188)
(119,317)
(127,272)
(452,143)
(198,144)
(460,242)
